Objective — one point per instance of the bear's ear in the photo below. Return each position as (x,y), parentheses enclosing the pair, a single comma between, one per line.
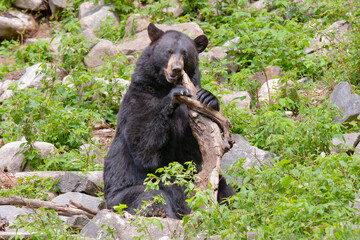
(201,43)
(154,32)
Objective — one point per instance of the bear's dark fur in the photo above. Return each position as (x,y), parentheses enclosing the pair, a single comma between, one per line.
(152,130)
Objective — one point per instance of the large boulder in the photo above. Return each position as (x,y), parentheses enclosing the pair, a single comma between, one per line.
(27,78)
(242,149)
(348,103)
(92,16)
(56,5)
(273,87)
(126,230)
(102,49)
(11,156)
(142,40)
(136,23)
(270,72)
(93,203)
(32,76)
(348,144)
(94,176)
(12,212)
(33,5)
(13,24)
(258,5)
(333,34)
(71,182)
(242,99)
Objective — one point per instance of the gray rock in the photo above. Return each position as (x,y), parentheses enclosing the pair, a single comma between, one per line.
(70,182)
(103,48)
(124,230)
(87,8)
(92,18)
(237,97)
(347,103)
(5,93)
(33,5)
(78,221)
(12,212)
(242,149)
(15,23)
(229,44)
(12,158)
(273,86)
(333,34)
(136,23)
(350,139)
(174,8)
(89,151)
(215,54)
(32,76)
(270,73)
(56,5)
(258,5)
(94,176)
(142,40)
(90,202)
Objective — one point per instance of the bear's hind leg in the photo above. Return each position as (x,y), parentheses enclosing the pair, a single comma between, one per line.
(134,198)
(225,190)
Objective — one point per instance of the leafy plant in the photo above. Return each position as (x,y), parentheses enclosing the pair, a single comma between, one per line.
(34,53)
(32,187)
(43,223)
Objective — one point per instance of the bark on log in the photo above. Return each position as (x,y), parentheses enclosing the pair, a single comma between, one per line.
(36,203)
(212,131)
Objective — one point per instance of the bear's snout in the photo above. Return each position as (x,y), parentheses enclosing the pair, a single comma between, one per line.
(174,68)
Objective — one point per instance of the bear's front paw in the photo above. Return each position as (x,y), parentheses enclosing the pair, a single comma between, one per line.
(208,99)
(180,91)
(156,211)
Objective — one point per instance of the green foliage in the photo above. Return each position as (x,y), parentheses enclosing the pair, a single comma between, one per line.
(110,31)
(289,200)
(6,4)
(295,200)
(37,116)
(50,224)
(73,47)
(7,46)
(34,53)
(31,187)
(121,6)
(304,139)
(69,160)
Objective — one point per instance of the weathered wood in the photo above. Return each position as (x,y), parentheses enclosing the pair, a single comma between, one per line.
(82,207)
(36,203)
(212,131)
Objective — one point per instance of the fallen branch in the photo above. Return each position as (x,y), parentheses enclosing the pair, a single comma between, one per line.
(82,207)
(36,203)
(212,131)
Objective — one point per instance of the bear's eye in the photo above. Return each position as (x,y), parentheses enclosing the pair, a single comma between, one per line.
(171,51)
(183,52)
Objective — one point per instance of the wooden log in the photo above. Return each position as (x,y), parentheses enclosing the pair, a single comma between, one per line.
(212,131)
(36,203)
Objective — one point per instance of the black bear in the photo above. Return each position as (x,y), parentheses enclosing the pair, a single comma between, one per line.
(152,129)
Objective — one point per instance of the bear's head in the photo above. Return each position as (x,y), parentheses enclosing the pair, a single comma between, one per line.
(175,52)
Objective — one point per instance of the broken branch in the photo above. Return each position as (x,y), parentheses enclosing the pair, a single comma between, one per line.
(36,203)
(212,131)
